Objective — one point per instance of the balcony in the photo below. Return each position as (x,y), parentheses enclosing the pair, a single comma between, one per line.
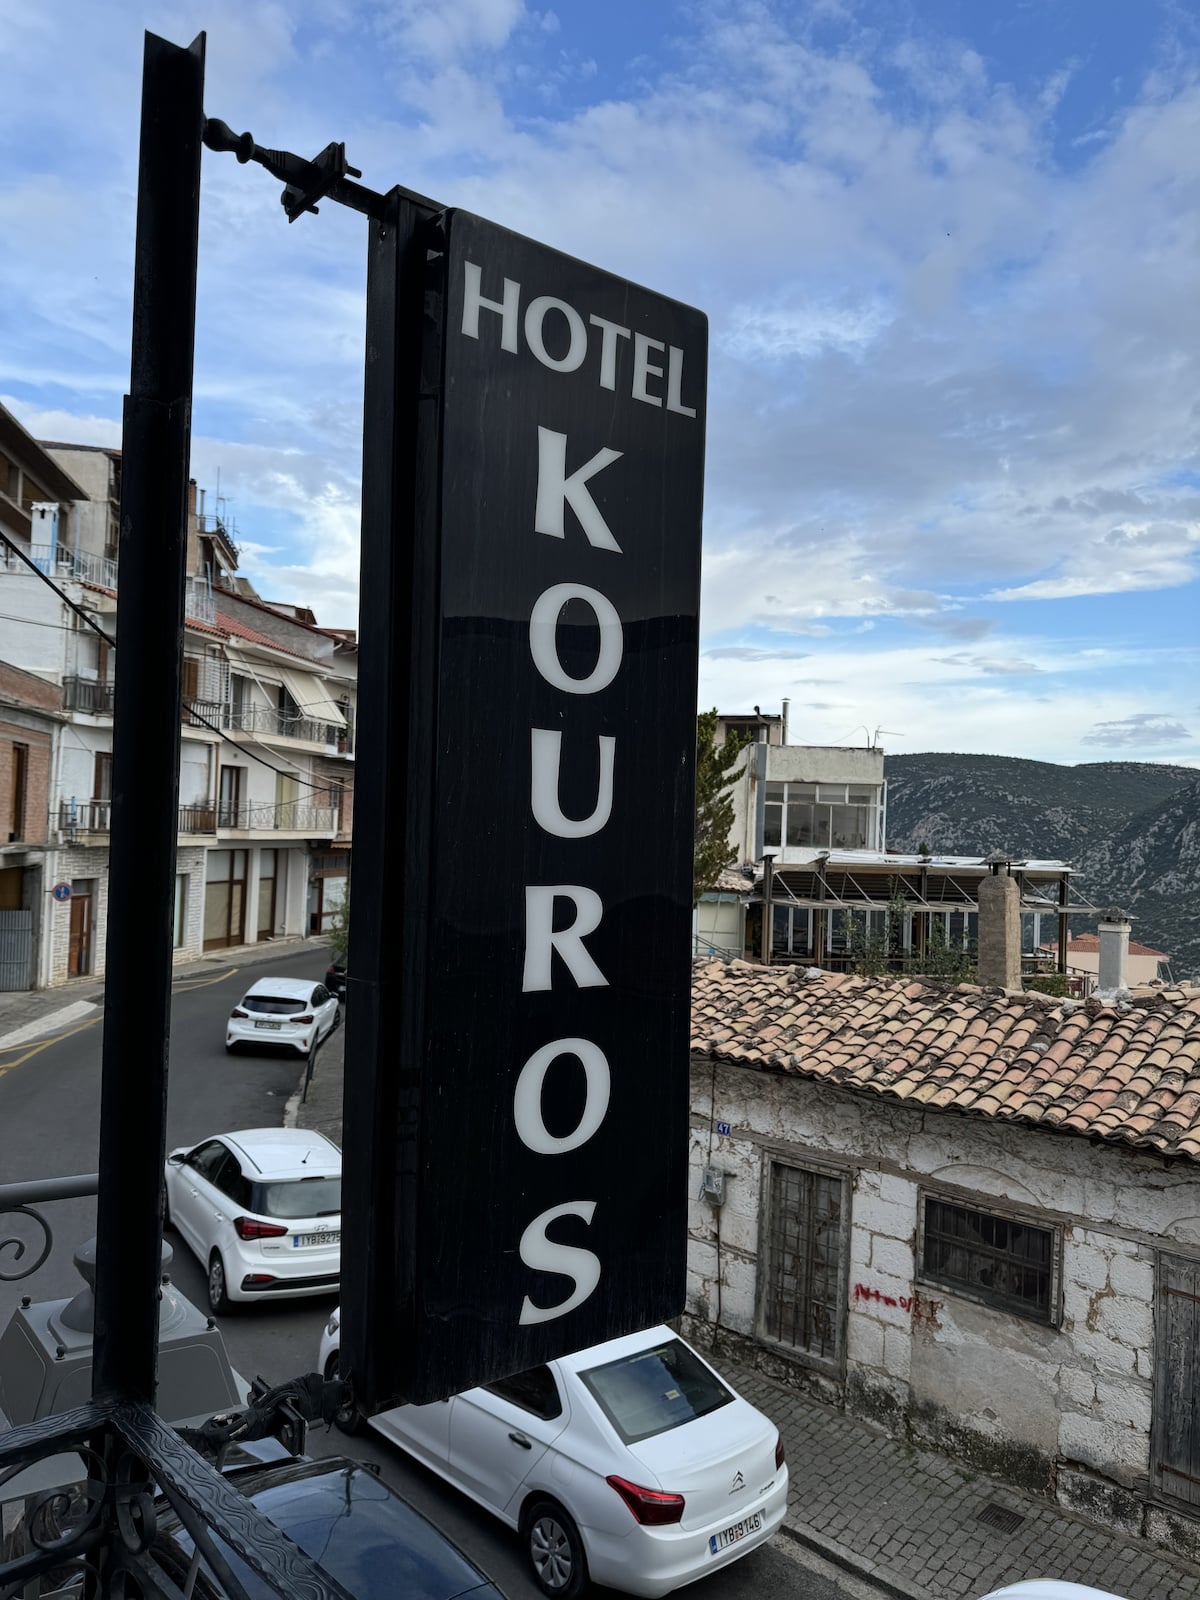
(201,818)
(281,725)
(86,695)
(292,817)
(56,561)
(83,816)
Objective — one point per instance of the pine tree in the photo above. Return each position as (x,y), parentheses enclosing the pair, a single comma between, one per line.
(714,803)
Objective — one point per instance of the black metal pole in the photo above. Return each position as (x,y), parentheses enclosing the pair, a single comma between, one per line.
(393,756)
(150,584)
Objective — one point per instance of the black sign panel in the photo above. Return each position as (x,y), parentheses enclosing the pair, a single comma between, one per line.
(525,1130)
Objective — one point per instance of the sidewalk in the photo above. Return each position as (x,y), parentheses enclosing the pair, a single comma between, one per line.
(906,1520)
(33,1013)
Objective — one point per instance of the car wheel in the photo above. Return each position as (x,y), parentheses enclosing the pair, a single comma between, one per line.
(218,1290)
(346,1419)
(555,1550)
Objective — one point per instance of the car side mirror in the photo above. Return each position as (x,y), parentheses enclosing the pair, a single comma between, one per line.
(175,1159)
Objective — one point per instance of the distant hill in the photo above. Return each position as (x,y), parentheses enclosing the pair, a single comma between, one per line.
(1130,828)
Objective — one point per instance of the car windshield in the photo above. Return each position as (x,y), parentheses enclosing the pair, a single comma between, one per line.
(299,1197)
(273,1006)
(654,1390)
(357,1531)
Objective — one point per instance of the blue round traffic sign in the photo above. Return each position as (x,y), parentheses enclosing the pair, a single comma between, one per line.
(61,891)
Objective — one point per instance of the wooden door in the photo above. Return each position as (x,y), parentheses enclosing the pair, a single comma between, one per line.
(79,950)
(1175,1440)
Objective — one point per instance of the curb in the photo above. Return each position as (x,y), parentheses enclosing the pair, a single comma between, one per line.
(839,1556)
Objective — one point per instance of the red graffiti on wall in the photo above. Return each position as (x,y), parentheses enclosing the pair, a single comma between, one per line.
(863,1291)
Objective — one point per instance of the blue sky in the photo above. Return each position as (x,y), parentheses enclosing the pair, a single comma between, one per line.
(950,252)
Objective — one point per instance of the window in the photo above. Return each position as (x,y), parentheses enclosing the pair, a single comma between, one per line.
(191,680)
(826,815)
(534,1391)
(1003,1261)
(102,776)
(802,1281)
(208,1158)
(20,792)
(655,1390)
(229,804)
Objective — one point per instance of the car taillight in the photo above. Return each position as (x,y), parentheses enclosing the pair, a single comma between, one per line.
(306,1018)
(238,1012)
(651,1507)
(780,1457)
(251,1228)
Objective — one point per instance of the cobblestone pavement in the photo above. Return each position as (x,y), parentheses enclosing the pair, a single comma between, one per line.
(906,1520)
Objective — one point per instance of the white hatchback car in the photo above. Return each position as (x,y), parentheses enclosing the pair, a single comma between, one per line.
(262,1210)
(633,1463)
(288,1013)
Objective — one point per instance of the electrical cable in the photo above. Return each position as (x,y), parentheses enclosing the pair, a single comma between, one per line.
(246,749)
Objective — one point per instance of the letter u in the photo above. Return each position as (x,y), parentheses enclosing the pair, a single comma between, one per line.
(545,770)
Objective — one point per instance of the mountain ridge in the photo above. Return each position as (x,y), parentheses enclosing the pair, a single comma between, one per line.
(1130,829)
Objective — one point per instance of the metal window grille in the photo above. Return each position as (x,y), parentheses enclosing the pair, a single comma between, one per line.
(1005,1262)
(802,1295)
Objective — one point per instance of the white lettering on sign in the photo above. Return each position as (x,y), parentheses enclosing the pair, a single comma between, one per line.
(527,1101)
(541,939)
(543,1255)
(545,750)
(543,638)
(579,343)
(555,491)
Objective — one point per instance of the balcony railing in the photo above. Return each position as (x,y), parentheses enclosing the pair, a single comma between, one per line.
(86,694)
(198,819)
(266,719)
(57,561)
(84,816)
(293,817)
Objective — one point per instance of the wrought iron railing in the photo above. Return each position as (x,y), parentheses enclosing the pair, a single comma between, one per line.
(266,719)
(86,694)
(84,816)
(198,819)
(291,817)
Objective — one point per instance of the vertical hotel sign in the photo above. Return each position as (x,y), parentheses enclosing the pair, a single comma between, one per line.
(543,1129)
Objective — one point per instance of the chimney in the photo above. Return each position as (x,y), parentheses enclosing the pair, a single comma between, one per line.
(999,926)
(1114,950)
(786,707)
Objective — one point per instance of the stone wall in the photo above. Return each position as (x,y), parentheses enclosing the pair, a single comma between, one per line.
(1064,1409)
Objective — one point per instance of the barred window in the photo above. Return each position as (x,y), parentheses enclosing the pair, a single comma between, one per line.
(1002,1261)
(802,1289)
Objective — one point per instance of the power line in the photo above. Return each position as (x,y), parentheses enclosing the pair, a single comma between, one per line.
(281,772)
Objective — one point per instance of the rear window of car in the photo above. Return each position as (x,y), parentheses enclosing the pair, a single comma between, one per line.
(298,1197)
(271,1006)
(654,1390)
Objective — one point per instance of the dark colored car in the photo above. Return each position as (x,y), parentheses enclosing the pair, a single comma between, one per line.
(352,1526)
(335,981)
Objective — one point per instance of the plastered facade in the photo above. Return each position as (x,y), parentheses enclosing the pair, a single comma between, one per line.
(1065,1409)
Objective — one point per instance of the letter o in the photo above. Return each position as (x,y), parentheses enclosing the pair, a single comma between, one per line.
(543,638)
(527,1097)
(535,315)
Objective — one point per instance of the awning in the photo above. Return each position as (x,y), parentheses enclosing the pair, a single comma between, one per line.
(310,695)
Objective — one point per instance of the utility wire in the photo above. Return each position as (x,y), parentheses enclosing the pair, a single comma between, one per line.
(188,706)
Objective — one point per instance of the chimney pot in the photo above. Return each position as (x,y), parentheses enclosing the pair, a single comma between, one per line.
(999,931)
(1114,932)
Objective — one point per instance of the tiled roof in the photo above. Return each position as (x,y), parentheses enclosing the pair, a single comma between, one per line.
(1126,1073)
(1089,943)
(239,630)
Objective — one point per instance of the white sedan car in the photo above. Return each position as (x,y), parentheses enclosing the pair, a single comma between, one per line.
(262,1210)
(282,1013)
(633,1463)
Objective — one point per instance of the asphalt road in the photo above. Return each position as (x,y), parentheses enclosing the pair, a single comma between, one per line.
(49,1127)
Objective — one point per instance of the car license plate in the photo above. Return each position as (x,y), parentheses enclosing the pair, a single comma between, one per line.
(300,1240)
(275,1025)
(740,1530)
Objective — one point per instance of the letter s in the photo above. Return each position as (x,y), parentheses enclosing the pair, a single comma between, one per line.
(543,1255)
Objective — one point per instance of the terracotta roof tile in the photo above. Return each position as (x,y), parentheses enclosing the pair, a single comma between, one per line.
(1130,1075)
